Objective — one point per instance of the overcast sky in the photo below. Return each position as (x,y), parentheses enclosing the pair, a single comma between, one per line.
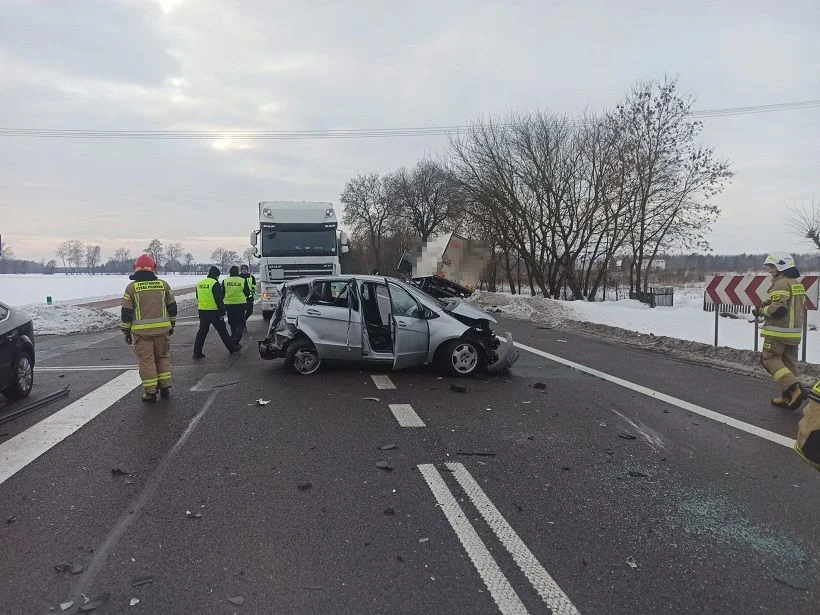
(260,64)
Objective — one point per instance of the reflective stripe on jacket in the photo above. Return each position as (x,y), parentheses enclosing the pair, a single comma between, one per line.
(205,295)
(148,307)
(784,311)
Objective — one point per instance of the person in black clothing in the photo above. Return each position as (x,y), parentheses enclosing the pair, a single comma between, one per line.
(211,304)
(245,273)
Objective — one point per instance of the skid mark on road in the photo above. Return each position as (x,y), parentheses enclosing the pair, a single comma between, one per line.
(672,401)
(406,416)
(383,382)
(495,581)
(24,448)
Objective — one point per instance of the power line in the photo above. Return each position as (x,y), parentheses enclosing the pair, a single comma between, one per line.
(354,133)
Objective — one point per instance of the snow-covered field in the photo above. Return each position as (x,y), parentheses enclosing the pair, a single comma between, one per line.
(686,320)
(18,290)
(64,317)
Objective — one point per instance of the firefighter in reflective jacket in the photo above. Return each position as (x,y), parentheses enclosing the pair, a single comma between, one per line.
(149,312)
(783,314)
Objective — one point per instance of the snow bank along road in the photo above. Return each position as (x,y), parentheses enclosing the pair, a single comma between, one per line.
(549,489)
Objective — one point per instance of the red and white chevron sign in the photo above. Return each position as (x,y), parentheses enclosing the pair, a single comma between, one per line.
(752,290)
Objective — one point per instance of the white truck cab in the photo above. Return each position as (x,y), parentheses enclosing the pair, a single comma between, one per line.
(295,239)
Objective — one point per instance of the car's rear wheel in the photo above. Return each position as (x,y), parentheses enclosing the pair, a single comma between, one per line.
(302,357)
(22,376)
(461,357)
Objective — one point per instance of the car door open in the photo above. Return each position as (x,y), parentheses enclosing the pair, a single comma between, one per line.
(411,334)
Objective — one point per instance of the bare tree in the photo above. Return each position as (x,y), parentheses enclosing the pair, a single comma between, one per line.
(62,252)
(173,254)
(76,254)
(249,255)
(189,260)
(156,251)
(93,254)
(50,266)
(369,211)
(674,177)
(5,251)
(804,220)
(224,258)
(427,198)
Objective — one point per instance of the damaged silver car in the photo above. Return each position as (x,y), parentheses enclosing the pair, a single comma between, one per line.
(381,320)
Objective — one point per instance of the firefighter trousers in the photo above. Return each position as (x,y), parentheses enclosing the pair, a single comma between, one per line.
(780,360)
(154,355)
(236,320)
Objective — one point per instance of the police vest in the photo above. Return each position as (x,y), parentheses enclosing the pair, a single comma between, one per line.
(205,295)
(234,290)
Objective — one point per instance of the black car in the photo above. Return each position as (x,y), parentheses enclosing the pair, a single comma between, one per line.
(16,353)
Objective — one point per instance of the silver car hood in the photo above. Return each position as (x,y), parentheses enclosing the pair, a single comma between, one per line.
(468,310)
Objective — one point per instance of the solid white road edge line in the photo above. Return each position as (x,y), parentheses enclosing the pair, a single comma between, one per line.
(406,416)
(24,448)
(673,401)
(495,581)
(383,382)
(83,368)
(541,580)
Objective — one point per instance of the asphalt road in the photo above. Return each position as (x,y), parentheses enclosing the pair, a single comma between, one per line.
(582,496)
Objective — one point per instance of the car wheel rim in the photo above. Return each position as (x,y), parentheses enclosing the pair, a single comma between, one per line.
(25,374)
(305,361)
(464,358)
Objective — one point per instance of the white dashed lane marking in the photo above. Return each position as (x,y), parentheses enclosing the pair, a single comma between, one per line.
(383,382)
(499,587)
(406,416)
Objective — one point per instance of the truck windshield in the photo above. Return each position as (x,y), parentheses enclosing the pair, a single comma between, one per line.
(278,242)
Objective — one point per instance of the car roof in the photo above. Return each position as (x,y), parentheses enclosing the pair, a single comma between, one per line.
(358,278)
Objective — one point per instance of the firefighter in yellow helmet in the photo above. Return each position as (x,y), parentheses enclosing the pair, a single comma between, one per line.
(149,312)
(783,313)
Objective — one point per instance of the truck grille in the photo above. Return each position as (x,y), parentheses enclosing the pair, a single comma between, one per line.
(292,272)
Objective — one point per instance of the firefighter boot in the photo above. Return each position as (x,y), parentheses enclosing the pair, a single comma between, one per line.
(781,401)
(165,392)
(149,396)
(795,395)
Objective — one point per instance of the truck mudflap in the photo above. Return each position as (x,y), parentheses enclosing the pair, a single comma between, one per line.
(506,360)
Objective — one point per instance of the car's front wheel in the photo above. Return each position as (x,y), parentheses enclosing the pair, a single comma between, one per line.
(302,357)
(461,357)
(22,376)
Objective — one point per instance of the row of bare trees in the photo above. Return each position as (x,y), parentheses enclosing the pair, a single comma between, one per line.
(563,197)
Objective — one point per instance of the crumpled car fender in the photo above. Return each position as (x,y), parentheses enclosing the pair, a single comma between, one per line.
(506,360)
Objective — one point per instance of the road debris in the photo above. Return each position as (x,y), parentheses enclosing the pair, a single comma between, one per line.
(389,511)
(387,447)
(540,386)
(120,472)
(237,600)
(93,605)
(262,402)
(313,587)
(64,606)
(631,561)
(304,486)
(423,539)
(637,474)
(140,581)
(69,567)
(791,581)
(458,388)
(191,515)
(134,602)
(626,436)
(384,465)
(370,399)
(11,519)
(476,453)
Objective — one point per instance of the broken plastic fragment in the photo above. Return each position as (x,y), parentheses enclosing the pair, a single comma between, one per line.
(121,472)
(370,399)
(626,436)
(387,447)
(637,474)
(458,388)
(262,402)
(631,561)
(389,511)
(191,515)
(423,539)
(64,606)
(237,600)
(540,386)
(77,568)
(304,486)
(384,465)
(11,519)
(790,581)
(93,605)
(134,602)
(142,581)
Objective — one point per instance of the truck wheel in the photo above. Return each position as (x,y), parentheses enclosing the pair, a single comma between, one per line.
(267,314)
(22,376)
(302,357)
(460,357)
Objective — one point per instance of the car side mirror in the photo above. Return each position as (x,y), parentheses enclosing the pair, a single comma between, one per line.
(429,314)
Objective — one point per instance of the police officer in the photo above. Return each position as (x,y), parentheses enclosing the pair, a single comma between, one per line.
(245,273)
(783,313)
(148,315)
(209,298)
(236,291)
